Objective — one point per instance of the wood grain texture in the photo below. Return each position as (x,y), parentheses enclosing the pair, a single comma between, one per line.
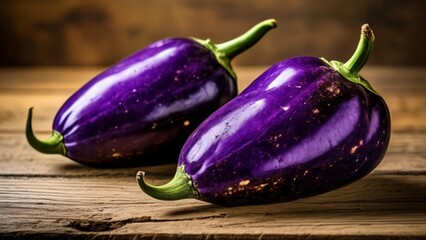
(377,205)
(407,153)
(51,197)
(46,89)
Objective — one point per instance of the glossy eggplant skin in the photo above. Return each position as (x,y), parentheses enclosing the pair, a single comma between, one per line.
(298,130)
(148,101)
(141,110)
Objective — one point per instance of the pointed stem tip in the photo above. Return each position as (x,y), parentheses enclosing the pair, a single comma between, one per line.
(362,52)
(50,146)
(366,31)
(179,187)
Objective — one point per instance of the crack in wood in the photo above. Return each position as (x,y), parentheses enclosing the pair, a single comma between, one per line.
(86,225)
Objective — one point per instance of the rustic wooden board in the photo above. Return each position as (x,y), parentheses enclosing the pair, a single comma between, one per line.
(51,197)
(382,205)
(407,153)
(71,78)
(47,89)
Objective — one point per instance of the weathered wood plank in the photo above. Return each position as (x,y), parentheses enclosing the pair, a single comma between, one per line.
(382,205)
(407,111)
(406,154)
(409,105)
(45,80)
(71,78)
(47,89)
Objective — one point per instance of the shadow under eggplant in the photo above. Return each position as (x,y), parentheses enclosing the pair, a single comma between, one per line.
(376,195)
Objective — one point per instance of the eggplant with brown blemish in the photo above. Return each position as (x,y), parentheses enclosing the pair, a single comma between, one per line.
(147,104)
(304,127)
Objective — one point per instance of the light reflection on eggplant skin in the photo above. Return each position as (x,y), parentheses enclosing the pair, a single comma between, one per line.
(206,93)
(97,90)
(334,131)
(215,139)
(374,124)
(284,76)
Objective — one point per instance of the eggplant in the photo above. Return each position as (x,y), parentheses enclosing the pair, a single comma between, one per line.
(147,104)
(304,127)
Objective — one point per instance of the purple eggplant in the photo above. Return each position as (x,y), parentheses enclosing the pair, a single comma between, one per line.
(148,103)
(304,127)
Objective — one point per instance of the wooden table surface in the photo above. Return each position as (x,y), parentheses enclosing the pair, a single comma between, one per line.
(51,197)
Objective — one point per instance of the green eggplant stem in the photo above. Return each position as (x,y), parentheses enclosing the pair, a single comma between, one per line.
(51,146)
(180,187)
(350,70)
(362,52)
(226,51)
(238,45)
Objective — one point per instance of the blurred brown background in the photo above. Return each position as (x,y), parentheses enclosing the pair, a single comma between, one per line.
(101,32)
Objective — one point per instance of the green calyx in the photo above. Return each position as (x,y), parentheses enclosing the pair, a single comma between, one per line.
(52,145)
(350,70)
(226,51)
(179,187)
